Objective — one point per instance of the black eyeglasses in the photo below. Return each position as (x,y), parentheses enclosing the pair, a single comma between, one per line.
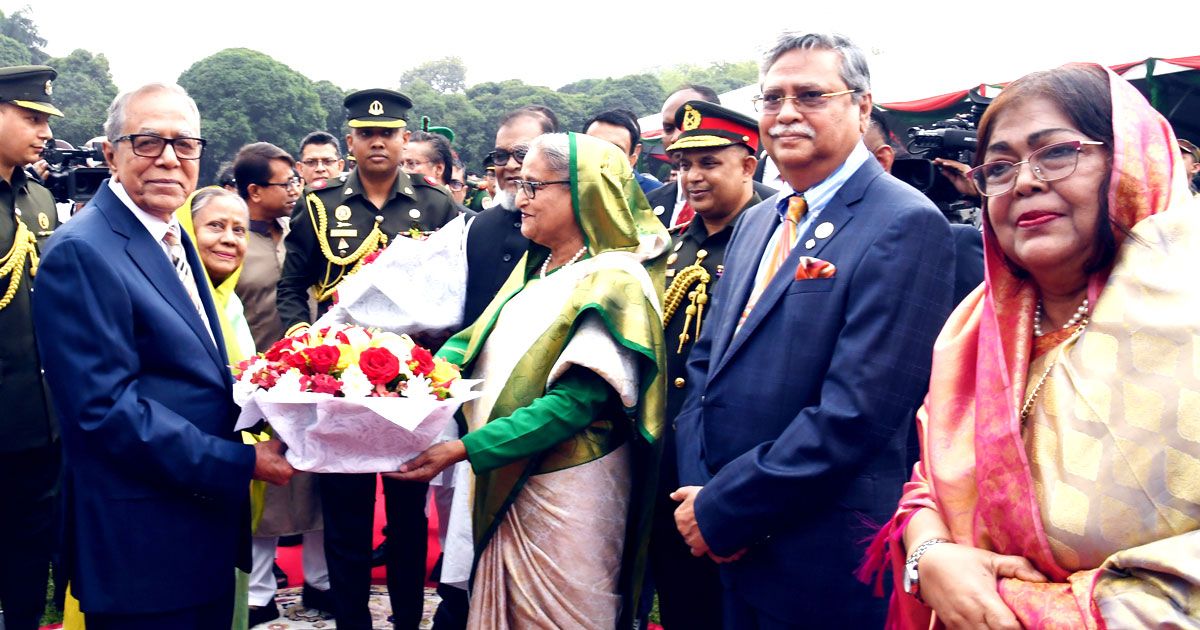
(805,101)
(1049,164)
(294,182)
(530,187)
(455,185)
(152,145)
(500,156)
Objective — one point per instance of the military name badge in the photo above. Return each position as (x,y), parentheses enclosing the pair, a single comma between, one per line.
(342,213)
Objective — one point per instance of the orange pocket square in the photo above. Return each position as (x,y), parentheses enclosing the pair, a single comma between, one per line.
(810,268)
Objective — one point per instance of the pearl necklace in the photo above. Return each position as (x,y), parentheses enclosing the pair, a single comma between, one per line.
(574,259)
(1080,315)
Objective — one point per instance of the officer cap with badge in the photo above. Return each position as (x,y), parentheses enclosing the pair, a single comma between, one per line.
(377,107)
(706,125)
(29,87)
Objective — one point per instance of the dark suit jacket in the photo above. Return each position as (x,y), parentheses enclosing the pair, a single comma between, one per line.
(155,485)
(968,259)
(796,426)
(664,196)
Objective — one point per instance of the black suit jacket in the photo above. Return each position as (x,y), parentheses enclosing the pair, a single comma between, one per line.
(494,245)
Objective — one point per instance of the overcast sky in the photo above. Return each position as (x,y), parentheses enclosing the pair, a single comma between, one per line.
(916,49)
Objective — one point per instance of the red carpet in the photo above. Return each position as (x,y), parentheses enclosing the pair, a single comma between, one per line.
(289,557)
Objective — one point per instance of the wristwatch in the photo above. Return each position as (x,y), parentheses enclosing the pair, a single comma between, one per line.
(912,582)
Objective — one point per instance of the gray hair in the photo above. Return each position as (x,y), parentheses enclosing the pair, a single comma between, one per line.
(209,194)
(555,148)
(115,124)
(853,69)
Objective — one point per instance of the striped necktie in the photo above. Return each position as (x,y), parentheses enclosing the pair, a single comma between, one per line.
(182,269)
(797,207)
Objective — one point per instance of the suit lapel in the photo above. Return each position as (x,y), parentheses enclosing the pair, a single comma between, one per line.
(837,213)
(742,266)
(152,261)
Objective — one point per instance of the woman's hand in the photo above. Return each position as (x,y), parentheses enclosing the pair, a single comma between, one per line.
(959,583)
(432,461)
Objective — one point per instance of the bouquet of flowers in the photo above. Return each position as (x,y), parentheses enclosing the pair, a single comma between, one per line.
(350,399)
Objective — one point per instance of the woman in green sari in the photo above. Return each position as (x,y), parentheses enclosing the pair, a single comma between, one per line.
(561,443)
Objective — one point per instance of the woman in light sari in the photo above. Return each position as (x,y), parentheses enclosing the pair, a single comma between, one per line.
(562,441)
(1059,481)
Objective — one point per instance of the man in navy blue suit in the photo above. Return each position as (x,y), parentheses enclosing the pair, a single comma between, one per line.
(156,485)
(809,372)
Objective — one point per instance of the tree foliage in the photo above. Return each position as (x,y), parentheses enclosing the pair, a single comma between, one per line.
(447,75)
(83,92)
(13,52)
(246,96)
(335,113)
(20,26)
(721,77)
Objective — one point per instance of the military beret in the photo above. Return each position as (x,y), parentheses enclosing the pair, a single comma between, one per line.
(377,108)
(29,87)
(705,125)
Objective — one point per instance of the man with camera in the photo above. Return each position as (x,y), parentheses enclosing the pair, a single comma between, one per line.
(30,453)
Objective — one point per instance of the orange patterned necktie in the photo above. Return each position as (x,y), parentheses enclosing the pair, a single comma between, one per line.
(797,207)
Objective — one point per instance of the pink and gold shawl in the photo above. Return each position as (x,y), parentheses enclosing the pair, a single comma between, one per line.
(974,469)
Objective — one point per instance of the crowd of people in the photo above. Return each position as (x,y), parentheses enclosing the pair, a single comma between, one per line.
(780,390)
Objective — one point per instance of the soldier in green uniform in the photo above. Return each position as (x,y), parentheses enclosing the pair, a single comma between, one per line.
(342,220)
(716,157)
(30,453)
(358,212)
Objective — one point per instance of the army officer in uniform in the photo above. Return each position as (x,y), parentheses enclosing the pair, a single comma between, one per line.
(716,156)
(340,221)
(30,453)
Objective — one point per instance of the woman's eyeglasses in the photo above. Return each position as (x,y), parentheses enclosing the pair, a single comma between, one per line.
(1049,163)
(530,188)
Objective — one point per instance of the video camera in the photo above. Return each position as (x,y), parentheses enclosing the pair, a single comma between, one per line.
(952,139)
(71,178)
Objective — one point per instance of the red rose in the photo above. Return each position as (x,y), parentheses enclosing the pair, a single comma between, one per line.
(281,348)
(422,361)
(321,384)
(296,360)
(379,365)
(370,258)
(323,358)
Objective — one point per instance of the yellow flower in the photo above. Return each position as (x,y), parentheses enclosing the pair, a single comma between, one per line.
(443,371)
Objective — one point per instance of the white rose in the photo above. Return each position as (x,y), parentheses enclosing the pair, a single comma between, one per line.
(289,382)
(419,388)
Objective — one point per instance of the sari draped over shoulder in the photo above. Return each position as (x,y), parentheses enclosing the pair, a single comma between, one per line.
(1100,489)
(559,536)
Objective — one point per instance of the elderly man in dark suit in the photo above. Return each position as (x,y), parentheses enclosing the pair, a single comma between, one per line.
(156,485)
(815,357)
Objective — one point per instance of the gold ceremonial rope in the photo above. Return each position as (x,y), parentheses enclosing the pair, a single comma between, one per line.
(13,263)
(697,298)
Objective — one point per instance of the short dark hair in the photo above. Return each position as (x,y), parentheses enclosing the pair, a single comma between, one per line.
(706,93)
(320,137)
(253,165)
(1082,93)
(853,69)
(879,124)
(544,115)
(441,150)
(225,175)
(619,118)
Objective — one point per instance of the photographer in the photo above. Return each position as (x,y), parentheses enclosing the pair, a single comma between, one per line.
(72,175)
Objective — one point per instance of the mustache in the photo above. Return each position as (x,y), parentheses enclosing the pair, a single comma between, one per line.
(792,129)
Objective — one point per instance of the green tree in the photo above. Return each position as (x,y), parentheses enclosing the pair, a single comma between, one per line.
(13,52)
(335,113)
(83,92)
(245,96)
(20,27)
(444,75)
(721,76)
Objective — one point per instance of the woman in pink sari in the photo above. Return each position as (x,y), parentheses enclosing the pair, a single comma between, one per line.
(1059,481)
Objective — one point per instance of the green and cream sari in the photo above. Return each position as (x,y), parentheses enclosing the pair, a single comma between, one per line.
(563,441)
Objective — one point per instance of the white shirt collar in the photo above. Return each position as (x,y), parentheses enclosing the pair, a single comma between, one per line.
(156,226)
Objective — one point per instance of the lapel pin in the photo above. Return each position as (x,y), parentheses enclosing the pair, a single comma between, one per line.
(824,230)
(810,243)
(658,210)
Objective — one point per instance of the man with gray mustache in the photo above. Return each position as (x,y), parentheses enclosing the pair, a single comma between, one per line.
(815,356)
